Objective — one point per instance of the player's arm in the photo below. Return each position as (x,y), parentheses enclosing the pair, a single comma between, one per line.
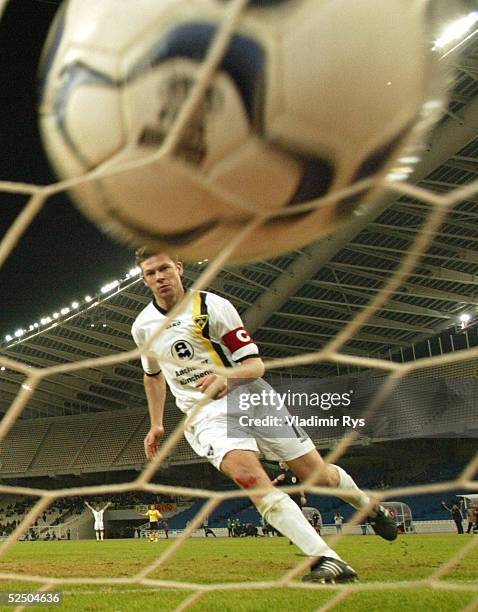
(107,506)
(88,506)
(250,368)
(226,328)
(155,389)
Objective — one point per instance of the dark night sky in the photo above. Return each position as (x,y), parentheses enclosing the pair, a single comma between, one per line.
(62,257)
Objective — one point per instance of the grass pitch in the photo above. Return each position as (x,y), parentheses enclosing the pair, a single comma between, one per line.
(226,560)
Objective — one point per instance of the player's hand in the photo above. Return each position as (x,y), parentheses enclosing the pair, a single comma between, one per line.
(220,383)
(303,500)
(280,477)
(151,441)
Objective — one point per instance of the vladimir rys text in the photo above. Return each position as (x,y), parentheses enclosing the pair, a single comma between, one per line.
(289,420)
(276,401)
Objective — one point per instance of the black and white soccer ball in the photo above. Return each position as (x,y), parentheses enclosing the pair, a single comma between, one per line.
(311,96)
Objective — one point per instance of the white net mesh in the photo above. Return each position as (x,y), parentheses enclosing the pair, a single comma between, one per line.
(440,205)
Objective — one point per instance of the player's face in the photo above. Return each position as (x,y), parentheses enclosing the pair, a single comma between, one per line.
(163,276)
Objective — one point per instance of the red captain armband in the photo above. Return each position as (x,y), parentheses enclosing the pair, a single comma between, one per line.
(236,339)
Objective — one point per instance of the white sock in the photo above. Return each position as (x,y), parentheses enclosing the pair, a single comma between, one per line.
(284,515)
(352,494)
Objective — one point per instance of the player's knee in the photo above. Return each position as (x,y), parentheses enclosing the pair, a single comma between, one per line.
(333,475)
(327,476)
(246,478)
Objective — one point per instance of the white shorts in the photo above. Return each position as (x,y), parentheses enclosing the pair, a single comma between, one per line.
(210,435)
(99,526)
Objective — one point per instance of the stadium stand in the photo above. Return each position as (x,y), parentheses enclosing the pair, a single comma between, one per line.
(114,440)
(21,446)
(109,439)
(132,452)
(62,445)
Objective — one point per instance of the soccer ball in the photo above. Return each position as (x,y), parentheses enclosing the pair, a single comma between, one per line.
(311,97)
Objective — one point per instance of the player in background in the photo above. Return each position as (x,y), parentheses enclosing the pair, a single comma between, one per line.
(208,531)
(456,515)
(286,478)
(338,521)
(99,524)
(210,330)
(154,516)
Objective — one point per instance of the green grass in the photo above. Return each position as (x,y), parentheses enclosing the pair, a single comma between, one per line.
(226,560)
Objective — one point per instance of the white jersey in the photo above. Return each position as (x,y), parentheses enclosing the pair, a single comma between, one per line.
(209,331)
(98,514)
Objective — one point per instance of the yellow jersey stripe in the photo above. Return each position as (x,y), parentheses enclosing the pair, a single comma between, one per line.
(200,321)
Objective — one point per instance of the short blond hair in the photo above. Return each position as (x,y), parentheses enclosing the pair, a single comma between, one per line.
(142,254)
(145,252)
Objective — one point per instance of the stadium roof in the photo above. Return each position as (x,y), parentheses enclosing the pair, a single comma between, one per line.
(296,303)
